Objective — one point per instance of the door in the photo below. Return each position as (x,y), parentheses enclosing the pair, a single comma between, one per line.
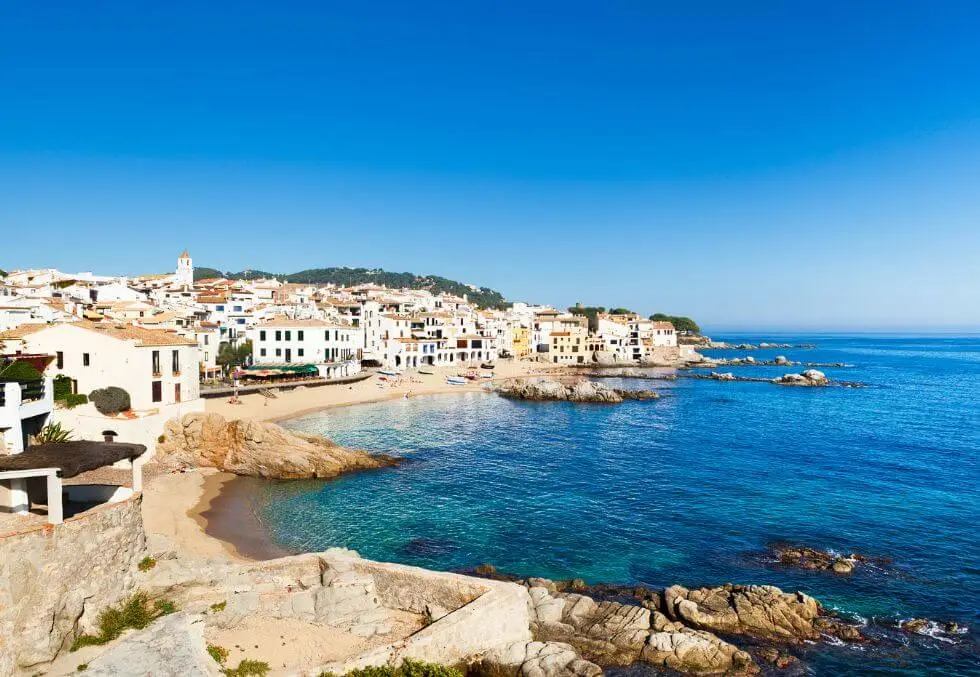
(289,354)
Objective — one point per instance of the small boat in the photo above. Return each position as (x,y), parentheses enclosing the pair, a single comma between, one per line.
(487,365)
(389,372)
(486,374)
(426,370)
(456,380)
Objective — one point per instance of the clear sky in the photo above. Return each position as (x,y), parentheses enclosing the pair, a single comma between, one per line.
(752,164)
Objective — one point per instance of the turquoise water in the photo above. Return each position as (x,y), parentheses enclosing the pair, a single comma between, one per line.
(690,489)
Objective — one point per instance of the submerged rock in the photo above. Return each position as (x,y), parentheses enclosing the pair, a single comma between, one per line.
(258,449)
(803,557)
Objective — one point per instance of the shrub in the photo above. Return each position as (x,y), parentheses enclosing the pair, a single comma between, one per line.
(218,653)
(62,387)
(20,371)
(135,613)
(409,668)
(111,400)
(146,563)
(52,433)
(161,439)
(74,400)
(248,668)
(82,667)
(218,607)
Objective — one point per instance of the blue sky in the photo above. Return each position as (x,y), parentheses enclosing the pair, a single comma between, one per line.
(796,165)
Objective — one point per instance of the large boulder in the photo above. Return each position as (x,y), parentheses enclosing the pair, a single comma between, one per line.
(694,652)
(535,659)
(257,449)
(761,611)
(173,646)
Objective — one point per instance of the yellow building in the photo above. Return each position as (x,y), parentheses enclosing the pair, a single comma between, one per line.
(568,347)
(521,341)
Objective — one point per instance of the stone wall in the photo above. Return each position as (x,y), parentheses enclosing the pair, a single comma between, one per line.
(55,580)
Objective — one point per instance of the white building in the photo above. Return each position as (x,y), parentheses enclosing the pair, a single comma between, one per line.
(185,270)
(335,349)
(159,370)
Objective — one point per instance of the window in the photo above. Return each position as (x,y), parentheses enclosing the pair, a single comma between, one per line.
(85,360)
(289,335)
(261,352)
(220,308)
(278,352)
(176,362)
(299,352)
(156,364)
(237,309)
(336,335)
(61,359)
(262,335)
(278,335)
(157,391)
(326,335)
(299,335)
(206,339)
(176,392)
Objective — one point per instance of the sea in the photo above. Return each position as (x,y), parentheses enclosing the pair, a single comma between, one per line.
(693,488)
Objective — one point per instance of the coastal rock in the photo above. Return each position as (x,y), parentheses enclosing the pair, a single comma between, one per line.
(542,389)
(762,611)
(173,646)
(256,449)
(727,376)
(781,359)
(803,557)
(535,659)
(641,395)
(810,377)
(695,652)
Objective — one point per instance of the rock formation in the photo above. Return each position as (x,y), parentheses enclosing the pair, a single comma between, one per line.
(257,449)
(803,557)
(613,633)
(761,611)
(577,390)
(810,377)
(171,647)
(534,659)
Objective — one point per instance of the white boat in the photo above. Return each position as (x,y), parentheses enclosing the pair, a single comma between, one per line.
(389,372)
(456,380)
(426,370)
(486,374)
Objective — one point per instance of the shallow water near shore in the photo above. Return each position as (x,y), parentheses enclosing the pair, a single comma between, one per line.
(690,488)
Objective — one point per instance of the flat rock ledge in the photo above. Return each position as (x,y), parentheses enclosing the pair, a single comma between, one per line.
(572,390)
(257,449)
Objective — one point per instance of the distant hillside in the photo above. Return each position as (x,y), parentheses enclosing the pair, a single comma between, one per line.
(482,296)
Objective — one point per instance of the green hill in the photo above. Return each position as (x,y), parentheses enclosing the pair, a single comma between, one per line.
(482,296)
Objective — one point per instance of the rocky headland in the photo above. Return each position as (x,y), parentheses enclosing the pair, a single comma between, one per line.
(257,449)
(573,390)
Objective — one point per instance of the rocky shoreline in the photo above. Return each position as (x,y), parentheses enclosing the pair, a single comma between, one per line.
(693,631)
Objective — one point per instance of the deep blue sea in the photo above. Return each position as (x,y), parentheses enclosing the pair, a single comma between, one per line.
(690,488)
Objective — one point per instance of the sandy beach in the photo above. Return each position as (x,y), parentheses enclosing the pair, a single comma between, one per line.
(300,401)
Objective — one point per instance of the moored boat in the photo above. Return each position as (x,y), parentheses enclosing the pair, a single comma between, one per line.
(455,380)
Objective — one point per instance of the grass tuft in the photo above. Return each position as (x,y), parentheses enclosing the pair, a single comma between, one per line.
(218,653)
(135,613)
(146,563)
(248,668)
